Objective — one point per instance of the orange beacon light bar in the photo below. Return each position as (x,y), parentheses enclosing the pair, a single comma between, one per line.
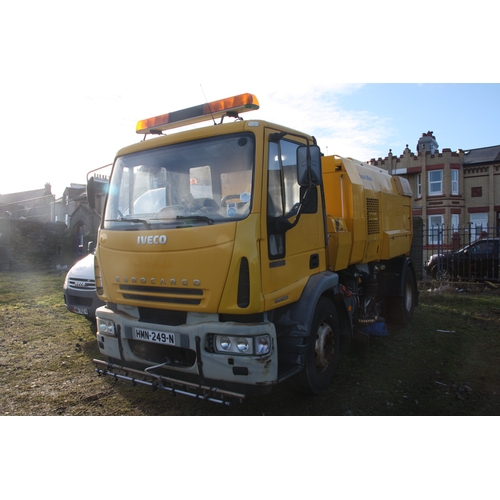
(215,109)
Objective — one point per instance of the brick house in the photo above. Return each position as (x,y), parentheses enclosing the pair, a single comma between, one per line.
(454,189)
(481,185)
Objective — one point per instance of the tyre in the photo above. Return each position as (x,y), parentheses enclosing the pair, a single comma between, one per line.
(323,349)
(443,274)
(401,308)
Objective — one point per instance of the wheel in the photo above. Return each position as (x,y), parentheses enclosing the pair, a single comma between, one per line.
(443,274)
(323,349)
(401,309)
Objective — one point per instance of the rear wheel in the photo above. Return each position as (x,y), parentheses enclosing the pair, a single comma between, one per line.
(323,349)
(401,309)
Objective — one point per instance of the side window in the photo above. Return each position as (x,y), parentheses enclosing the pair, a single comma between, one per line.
(484,247)
(289,161)
(283,188)
(275,185)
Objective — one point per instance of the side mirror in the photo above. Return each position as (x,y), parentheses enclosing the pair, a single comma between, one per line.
(308,166)
(91,193)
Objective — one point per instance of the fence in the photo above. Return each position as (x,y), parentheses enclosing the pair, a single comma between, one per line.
(479,261)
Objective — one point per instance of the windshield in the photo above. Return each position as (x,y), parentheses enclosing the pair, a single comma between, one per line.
(199,182)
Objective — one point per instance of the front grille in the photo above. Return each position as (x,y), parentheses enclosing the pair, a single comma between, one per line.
(81,283)
(162,316)
(187,296)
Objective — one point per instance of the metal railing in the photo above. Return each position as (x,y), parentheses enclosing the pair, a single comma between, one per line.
(478,263)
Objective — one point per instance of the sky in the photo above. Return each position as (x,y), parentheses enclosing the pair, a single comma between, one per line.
(363,80)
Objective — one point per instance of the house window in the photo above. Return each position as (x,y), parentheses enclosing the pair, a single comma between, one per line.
(435,229)
(454,181)
(455,220)
(478,224)
(435,182)
(419,185)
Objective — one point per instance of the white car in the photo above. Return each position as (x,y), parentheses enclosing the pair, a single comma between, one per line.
(79,289)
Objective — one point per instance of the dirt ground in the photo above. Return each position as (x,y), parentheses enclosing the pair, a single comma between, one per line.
(444,363)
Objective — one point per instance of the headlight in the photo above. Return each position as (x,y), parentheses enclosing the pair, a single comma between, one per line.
(225,344)
(106,326)
(242,344)
(259,345)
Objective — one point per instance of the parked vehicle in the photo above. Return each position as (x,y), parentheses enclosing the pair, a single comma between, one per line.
(79,289)
(477,261)
(233,257)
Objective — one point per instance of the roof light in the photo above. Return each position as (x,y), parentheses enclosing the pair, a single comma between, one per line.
(215,109)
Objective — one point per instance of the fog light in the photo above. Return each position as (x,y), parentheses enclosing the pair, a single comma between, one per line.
(242,344)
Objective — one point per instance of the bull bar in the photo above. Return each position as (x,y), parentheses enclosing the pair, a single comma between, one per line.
(174,386)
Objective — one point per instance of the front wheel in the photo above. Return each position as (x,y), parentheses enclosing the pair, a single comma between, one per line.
(443,274)
(323,349)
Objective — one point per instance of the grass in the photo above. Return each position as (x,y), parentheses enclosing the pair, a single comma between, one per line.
(444,363)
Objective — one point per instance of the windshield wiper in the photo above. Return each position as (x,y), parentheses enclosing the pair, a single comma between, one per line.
(138,221)
(200,218)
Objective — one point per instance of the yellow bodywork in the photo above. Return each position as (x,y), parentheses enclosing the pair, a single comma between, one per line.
(368,218)
(368,213)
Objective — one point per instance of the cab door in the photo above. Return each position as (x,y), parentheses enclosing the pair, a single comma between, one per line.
(289,254)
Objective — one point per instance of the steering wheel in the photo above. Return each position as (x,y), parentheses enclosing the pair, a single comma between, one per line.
(231,197)
(205,204)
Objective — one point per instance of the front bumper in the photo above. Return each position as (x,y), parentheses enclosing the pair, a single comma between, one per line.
(192,358)
(83,302)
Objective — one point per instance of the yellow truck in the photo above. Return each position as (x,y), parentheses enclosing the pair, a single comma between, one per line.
(234,256)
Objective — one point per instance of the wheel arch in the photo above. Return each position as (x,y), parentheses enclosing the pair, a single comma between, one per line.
(295,322)
(324,284)
(318,285)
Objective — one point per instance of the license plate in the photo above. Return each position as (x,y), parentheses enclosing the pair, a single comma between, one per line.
(154,336)
(80,310)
